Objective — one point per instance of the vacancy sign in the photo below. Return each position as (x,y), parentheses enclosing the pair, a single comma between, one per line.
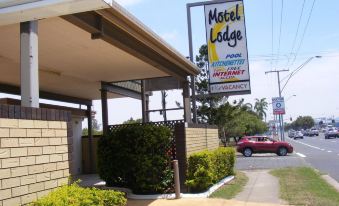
(278,104)
(227,48)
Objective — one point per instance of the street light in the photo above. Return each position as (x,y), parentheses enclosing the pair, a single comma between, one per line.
(290,97)
(281,120)
(297,70)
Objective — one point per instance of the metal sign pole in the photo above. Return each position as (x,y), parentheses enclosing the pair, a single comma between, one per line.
(281,120)
(190,42)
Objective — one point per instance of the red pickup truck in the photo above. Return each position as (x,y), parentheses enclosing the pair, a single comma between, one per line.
(261,144)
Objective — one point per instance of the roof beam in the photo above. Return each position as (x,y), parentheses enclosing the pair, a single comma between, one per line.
(120,90)
(100,28)
(163,83)
(15,90)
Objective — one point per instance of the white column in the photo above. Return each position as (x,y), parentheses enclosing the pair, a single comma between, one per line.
(29,64)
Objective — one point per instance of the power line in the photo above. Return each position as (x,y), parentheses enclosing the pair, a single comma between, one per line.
(272,24)
(281,22)
(297,32)
(303,36)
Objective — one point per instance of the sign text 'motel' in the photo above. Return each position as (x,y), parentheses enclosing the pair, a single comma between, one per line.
(227,48)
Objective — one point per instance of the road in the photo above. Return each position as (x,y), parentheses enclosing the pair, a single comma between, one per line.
(268,161)
(320,153)
(317,152)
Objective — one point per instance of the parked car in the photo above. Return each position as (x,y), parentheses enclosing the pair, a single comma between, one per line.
(306,132)
(314,132)
(261,144)
(298,135)
(291,134)
(331,132)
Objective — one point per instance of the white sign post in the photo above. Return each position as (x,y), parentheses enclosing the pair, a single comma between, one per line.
(227,48)
(278,105)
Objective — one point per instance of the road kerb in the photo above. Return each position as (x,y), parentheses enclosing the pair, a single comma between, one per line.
(331,181)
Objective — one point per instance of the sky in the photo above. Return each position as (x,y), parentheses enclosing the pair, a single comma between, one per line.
(312,91)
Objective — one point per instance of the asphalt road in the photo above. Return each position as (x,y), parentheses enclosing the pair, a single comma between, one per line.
(317,152)
(320,153)
(268,161)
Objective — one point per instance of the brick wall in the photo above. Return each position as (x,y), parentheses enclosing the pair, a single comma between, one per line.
(34,158)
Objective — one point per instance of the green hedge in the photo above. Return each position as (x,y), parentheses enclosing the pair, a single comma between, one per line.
(137,157)
(208,167)
(74,195)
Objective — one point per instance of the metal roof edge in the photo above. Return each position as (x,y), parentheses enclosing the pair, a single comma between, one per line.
(14,11)
(131,24)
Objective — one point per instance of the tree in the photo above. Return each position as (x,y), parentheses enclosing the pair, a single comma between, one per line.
(132,121)
(305,122)
(236,121)
(206,105)
(96,130)
(260,107)
(243,106)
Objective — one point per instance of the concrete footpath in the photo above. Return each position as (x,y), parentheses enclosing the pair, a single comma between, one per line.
(262,187)
(194,202)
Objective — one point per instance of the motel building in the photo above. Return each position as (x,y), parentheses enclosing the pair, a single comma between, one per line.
(73,51)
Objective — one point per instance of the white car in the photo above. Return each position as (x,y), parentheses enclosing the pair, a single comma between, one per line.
(313,132)
(331,132)
(298,135)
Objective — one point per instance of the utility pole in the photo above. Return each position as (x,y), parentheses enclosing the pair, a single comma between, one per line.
(281,118)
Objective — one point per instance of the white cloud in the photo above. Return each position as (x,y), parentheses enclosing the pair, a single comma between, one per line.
(125,3)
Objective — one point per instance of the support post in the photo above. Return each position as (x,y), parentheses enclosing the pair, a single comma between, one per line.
(281,118)
(194,100)
(176,179)
(104,109)
(143,102)
(147,108)
(29,64)
(90,139)
(186,102)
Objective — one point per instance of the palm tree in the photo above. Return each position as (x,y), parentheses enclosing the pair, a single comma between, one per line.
(243,106)
(260,108)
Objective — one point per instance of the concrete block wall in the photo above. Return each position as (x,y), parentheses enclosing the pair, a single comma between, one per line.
(34,158)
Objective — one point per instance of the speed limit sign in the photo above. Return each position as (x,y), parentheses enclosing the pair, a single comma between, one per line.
(278,104)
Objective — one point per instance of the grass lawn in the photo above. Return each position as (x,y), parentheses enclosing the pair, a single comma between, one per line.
(304,186)
(231,189)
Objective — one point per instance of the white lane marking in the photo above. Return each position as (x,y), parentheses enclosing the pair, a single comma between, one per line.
(307,145)
(301,155)
(322,149)
(333,141)
(329,151)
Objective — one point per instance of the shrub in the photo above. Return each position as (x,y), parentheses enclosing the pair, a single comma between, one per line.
(73,195)
(137,157)
(208,167)
(223,160)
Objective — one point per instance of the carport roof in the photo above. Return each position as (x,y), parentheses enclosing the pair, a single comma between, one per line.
(80,47)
